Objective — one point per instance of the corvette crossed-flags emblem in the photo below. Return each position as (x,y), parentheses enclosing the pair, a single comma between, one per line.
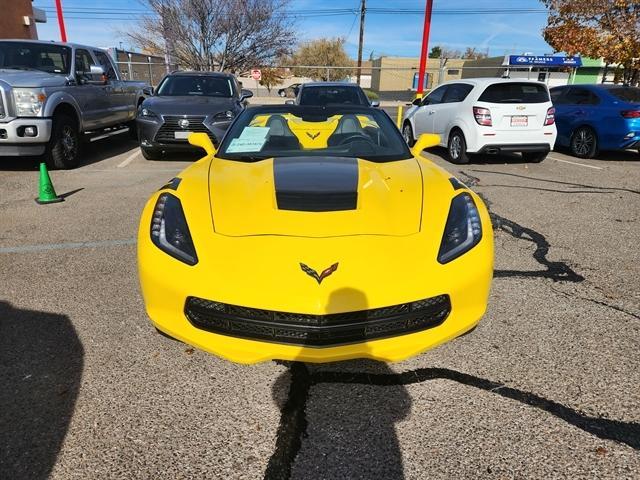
(318,277)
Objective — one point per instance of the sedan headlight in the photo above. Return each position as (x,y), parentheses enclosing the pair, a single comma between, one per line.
(222,116)
(463,230)
(169,230)
(28,101)
(146,113)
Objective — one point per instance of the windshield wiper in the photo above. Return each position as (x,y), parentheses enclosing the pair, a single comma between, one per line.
(19,67)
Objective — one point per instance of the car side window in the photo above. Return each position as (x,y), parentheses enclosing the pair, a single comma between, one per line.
(435,96)
(83,65)
(457,92)
(106,64)
(557,96)
(581,96)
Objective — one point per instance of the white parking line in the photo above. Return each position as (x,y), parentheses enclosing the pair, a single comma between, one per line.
(129,159)
(575,163)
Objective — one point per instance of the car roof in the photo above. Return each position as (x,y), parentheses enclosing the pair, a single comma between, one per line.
(330,84)
(52,42)
(190,73)
(594,86)
(486,81)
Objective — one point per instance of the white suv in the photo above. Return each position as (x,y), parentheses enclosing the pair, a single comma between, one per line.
(486,115)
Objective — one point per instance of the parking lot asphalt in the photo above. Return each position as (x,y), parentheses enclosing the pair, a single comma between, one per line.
(547,386)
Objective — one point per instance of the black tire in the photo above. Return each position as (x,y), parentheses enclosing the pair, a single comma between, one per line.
(584,143)
(133,130)
(151,153)
(534,157)
(457,148)
(407,134)
(63,149)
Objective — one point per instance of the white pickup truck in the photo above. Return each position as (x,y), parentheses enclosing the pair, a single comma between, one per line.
(54,95)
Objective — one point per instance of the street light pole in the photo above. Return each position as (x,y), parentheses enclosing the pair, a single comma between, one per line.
(425,48)
(363,8)
(63,32)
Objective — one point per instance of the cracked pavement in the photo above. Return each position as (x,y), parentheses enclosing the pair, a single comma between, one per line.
(547,386)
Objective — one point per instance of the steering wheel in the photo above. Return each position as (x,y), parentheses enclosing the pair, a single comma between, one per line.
(354,137)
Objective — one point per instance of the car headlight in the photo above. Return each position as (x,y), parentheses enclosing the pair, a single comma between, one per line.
(463,230)
(146,113)
(228,115)
(28,101)
(169,230)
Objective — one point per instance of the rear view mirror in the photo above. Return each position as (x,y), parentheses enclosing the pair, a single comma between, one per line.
(426,140)
(417,102)
(202,140)
(96,75)
(375,103)
(148,91)
(244,94)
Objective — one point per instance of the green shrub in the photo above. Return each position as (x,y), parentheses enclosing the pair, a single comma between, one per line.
(371,95)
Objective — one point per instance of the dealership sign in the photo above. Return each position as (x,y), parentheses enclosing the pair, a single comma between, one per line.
(544,61)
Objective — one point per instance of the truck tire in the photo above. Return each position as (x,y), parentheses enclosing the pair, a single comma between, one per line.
(133,130)
(63,149)
(151,153)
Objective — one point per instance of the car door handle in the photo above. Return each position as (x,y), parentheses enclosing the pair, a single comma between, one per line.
(431,112)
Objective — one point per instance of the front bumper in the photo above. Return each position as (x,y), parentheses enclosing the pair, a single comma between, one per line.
(14,143)
(152,133)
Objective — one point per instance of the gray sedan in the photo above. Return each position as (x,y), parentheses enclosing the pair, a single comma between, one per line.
(187,102)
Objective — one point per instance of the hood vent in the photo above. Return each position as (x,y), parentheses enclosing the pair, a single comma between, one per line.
(315,184)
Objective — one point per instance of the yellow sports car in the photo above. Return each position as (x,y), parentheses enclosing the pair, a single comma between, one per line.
(314,234)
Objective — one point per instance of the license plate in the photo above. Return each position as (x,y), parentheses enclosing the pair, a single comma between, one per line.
(181,135)
(519,121)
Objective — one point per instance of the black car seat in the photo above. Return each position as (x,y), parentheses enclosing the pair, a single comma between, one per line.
(348,126)
(280,136)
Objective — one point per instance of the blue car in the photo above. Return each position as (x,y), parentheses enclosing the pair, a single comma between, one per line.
(590,118)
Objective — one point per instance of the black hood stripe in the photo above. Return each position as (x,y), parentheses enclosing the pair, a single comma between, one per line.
(316,184)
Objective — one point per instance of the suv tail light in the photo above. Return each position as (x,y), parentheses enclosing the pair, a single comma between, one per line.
(550,119)
(482,116)
(630,113)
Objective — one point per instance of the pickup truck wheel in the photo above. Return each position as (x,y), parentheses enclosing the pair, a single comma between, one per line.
(63,149)
(133,130)
(534,157)
(151,153)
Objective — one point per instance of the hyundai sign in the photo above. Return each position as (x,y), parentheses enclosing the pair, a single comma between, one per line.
(544,61)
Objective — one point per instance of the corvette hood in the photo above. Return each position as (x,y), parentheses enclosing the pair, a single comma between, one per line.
(315,197)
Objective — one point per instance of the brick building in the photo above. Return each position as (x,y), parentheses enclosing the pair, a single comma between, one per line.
(19,18)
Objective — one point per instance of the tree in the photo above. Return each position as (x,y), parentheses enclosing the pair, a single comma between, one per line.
(597,28)
(232,35)
(271,77)
(436,52)
(322,53)
(472,52)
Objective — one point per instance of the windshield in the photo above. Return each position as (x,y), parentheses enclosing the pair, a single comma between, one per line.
(326,95)
(626,94)
(35,56)
(515,92)
(292,130)
(196,85)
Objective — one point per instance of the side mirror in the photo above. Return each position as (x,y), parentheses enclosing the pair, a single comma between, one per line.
(202,140)
(244,94)
(289,102)
(375,103)
(426,140)
(417,102)
(96,71)
(148,91)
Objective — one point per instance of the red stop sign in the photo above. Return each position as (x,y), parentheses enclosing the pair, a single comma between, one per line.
(256,74)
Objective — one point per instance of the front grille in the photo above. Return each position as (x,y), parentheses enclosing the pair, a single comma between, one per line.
(317,330)
(166,133)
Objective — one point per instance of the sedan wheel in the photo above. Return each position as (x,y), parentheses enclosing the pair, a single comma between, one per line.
(407,134)
(457,148)
(584,143)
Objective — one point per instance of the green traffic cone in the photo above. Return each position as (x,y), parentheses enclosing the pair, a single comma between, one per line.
(47,194)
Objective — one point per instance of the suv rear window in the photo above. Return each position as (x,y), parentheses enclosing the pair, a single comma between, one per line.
(514,92)
(626,94)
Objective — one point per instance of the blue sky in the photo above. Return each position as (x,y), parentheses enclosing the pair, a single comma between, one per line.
(398,35)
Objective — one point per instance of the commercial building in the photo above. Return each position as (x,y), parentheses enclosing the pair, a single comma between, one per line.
(19,18)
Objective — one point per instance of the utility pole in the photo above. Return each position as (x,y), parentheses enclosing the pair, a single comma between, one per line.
(63,32)
(363,9)
(425,48)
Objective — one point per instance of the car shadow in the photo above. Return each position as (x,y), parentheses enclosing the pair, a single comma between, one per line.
(606,155)
(480,159)
(337,430)
(41,361)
